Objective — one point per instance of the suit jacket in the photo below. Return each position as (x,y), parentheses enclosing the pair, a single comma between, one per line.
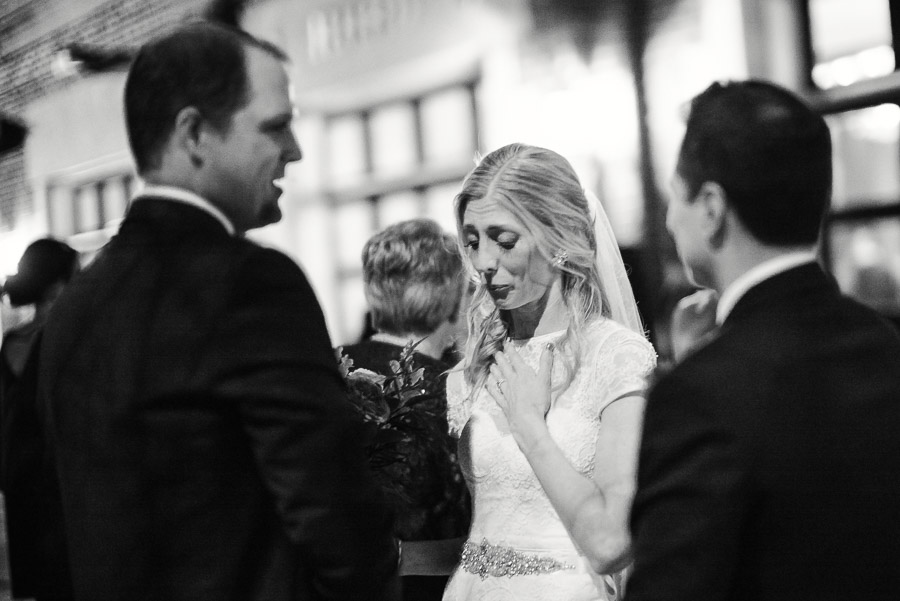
(770,461)
(204,443)
(38,557)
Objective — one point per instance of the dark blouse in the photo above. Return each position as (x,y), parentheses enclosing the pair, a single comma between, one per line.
(427,489)
(38,562)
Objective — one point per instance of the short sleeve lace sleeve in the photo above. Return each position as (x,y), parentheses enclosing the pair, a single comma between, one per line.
(459,406)
(622,364)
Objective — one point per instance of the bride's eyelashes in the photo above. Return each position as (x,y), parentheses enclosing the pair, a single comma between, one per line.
(507,241)
(504,241)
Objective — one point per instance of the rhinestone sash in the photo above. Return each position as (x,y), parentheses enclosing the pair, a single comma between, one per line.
(484,559)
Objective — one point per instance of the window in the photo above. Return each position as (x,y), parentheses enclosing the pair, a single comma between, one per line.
(853,78)
(77,208)
(866,147)
(851,41)
(399,160)
(87,213)
(865,259)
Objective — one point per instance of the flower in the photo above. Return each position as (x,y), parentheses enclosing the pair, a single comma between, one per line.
(397,408)
(408,446)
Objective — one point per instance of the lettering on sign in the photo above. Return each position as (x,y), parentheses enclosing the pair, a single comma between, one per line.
(333,31)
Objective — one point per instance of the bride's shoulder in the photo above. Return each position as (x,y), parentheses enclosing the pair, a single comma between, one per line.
(604,330)
(607,336)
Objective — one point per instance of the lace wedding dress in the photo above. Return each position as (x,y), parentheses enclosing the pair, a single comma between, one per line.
(518,549)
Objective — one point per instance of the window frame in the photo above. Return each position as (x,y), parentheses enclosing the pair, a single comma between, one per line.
(835,101)
(372,187)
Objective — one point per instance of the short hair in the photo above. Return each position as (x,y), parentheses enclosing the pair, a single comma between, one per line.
(770,153)
(44,263)
(413,277)
(200,64)
(540,187)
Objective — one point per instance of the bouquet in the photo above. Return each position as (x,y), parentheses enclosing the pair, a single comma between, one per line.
(408,446)
(397,408)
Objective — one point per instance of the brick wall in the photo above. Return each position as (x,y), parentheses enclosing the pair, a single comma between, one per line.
(12,187)
(25,63)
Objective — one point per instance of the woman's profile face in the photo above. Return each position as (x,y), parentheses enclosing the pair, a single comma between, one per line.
(505,255)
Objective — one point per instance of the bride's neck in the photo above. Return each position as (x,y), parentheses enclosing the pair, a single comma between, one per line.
(545,315)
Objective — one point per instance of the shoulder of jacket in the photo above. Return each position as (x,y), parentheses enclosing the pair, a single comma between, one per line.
(258,255)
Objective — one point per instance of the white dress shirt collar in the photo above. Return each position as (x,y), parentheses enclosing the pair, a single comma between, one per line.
(756,275)
(189,198)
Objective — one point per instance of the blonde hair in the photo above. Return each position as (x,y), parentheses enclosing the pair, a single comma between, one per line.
(413,277)
(541,189)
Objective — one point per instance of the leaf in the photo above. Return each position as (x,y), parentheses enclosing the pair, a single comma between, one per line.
(396,409)
(409,395)
(385,436)
(345,363)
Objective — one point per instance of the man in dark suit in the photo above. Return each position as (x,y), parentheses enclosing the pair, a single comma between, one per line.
(204,443)
(770,456)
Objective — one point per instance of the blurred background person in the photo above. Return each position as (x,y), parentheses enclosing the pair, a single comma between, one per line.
(44,269)
(693,322)
(414,286)
(37,551)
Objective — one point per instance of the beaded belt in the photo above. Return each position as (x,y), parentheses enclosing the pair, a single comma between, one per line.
(484,559)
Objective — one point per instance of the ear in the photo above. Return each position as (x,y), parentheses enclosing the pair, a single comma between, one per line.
(714,206)
(187,134)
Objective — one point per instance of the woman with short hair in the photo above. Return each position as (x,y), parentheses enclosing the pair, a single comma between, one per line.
(414,285)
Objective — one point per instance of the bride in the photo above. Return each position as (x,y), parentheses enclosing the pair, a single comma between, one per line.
(547,402)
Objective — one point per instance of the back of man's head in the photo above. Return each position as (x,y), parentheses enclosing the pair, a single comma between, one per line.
(770,153)
(201,64)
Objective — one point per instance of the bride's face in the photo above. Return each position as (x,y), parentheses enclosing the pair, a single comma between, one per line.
(505,254)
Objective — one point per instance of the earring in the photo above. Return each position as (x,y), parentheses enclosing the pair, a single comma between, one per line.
(560,257)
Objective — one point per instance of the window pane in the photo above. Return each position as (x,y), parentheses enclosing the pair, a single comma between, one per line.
(353,307)
(353,224)
(398,207)
(346,149)
(62,216)
(88,208)
(439,205)
(115,199)
(866,261)
(851,40)
(448,126)
(620,192)
(393,140)
(866,155)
